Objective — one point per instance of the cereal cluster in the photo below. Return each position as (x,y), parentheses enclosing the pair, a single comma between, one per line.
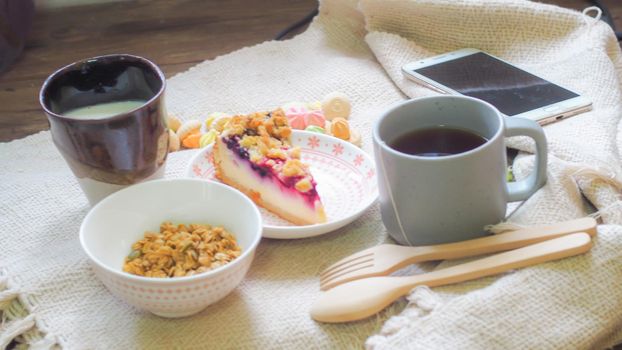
(180,250)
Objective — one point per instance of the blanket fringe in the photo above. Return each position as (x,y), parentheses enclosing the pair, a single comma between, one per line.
(14,329)
(587,173)
(592,174)
(18,326)
(595,178)
(597,215)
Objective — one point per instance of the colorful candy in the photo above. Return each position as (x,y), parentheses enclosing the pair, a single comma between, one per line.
(300,117)
(315,118)
(191,140)
(336,105)
(339,128)
(328,117)
(315,128)
(325,117)
(296,116)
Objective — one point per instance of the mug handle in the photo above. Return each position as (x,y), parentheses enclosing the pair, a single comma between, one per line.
(521,190)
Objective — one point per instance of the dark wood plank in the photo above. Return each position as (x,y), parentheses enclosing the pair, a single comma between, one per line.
(174,34)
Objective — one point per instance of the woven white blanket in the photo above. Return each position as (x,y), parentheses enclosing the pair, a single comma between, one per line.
(49,296)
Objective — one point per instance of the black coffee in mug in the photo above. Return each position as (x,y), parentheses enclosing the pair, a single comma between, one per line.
(436,199)
(437,141)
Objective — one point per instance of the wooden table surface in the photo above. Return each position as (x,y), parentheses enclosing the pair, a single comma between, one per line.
(174,34)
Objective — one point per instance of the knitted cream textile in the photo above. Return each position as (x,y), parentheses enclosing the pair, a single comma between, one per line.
(357,48)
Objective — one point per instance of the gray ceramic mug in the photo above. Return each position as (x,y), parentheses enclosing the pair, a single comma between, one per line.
(432,200)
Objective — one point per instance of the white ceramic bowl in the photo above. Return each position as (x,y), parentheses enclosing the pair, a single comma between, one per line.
(115,223)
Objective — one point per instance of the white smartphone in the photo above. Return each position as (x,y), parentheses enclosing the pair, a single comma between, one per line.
(514,91)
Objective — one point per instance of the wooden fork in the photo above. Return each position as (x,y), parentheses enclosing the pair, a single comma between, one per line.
(362,298)
(384,259)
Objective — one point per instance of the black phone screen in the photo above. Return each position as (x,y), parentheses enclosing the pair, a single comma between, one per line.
(510,89)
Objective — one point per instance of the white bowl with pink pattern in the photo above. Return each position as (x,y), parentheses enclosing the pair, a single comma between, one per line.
(115,223)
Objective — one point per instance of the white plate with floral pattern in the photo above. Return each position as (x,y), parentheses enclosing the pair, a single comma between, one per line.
(345,176)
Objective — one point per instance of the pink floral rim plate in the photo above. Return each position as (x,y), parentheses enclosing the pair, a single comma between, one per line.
(345,176)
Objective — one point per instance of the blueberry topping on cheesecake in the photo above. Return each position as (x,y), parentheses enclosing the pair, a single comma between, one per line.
(253,153)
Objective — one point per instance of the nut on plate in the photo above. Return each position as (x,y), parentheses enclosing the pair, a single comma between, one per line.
(173,122)
(208,138)
(355,138)
(314,106)
(173,141)
(216,120)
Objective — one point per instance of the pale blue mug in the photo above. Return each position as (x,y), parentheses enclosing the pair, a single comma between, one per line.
(432,200)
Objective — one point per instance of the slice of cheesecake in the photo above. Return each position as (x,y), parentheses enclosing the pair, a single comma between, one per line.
(253,153)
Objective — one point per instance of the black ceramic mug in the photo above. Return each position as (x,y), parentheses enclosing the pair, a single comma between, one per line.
(108,152)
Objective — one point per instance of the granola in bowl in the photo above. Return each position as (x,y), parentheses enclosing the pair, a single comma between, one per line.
(180,250)
(114,224)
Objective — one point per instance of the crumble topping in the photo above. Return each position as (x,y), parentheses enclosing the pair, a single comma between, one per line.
(264,137)
(294,167)
(267,125)
(304,185)
(277,153)
(294,152)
